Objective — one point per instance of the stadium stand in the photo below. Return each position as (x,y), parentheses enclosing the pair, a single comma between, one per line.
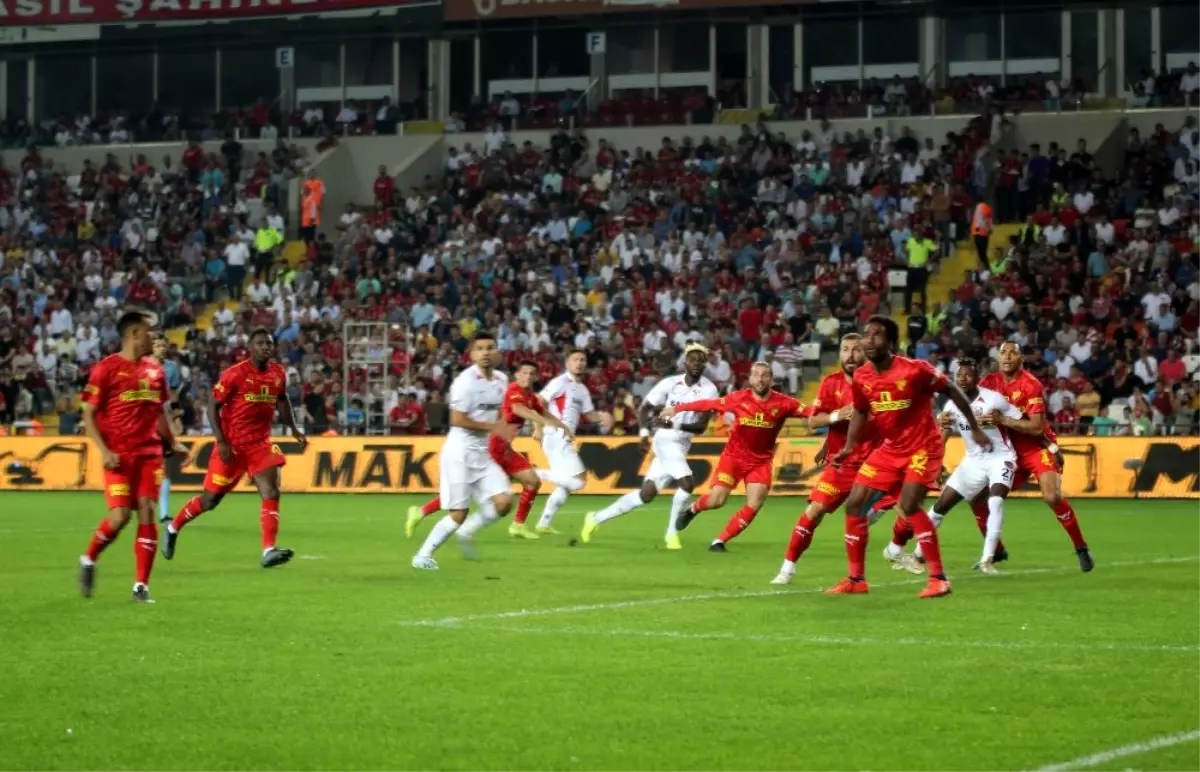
(764,242)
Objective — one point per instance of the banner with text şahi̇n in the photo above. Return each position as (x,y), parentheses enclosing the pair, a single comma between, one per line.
(53,12)
(1095,467)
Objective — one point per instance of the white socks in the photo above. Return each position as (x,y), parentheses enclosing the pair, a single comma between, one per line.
(485,515)
(572,484)
(995,524)
(679,502)
(894,550)
(627,503)
(553,503)
(788,567)
(437,537)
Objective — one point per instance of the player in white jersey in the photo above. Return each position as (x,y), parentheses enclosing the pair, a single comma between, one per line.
(467,469)
(671,445)
(568,400)
(991,469)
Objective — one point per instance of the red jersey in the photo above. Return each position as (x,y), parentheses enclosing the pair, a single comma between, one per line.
(1028,395)
(900,403)
(514,395)
(836,393)
(248,396)
(129,398)
(756,422)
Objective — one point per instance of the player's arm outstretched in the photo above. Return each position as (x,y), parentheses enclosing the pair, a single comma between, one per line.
(699,406)
(288,416)
(538,419)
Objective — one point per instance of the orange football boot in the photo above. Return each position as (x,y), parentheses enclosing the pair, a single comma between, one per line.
(849,586)
(936,588)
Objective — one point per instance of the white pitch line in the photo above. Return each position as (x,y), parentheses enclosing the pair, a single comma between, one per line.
(644,602)
(1134,749)
(833,640)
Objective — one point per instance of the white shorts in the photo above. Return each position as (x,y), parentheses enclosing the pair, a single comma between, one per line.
(975,474)
(670,462)
(562,455)
(464,480)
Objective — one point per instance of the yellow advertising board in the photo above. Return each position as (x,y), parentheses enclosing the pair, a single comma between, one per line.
(1101,467)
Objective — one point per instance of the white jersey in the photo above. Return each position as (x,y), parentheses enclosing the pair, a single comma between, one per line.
(567,399)
(480,398)
(674,390)
(987,401)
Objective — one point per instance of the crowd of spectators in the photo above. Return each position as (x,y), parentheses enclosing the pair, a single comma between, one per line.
(77,245)
(765,247)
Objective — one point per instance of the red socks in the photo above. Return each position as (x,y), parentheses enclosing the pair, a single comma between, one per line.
(902,531)
(190,512)
(856,545)
(144,550)
(981,516)
(802,536)
(431,506)
(1070,523)
(699,505)
(268,520)
(740,521)
(101,538)
(524,504)
(922,528)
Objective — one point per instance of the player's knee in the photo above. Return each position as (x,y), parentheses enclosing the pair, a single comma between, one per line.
(270,492)
(648,493)
(687,485)
(117,518)
(502,503)
(209,501)
(1052,496)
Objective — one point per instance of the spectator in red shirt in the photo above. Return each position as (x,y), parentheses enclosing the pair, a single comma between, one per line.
(750,321)
(1172,370)
(407,417)
(385,189)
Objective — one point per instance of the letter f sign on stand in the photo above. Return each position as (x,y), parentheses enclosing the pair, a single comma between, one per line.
(596,42)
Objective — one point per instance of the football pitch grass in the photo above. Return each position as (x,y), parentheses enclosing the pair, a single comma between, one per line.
(614,655)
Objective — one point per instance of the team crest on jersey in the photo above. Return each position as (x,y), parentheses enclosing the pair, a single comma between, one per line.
(1016,396)
(900,384)
(774,412)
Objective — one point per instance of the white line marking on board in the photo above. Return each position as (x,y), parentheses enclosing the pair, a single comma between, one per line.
(832,640)
(644,602)
(1134,749)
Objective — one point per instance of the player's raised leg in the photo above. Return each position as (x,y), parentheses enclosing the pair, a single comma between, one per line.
(417,514)
(225,470)
(801,539)
(530,484)
(758,485)
(622,506)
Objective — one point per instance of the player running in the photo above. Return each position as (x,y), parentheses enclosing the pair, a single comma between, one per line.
(158,355)
(671,445)
(468,471)
(123,414)
(567,399)
(897,393)
(834,407)
(759,415)
(241,413)
(520,405)
(1036,446)
(981,472)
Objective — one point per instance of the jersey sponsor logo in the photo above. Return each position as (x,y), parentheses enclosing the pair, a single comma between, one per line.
(759,421)
(868,471)
(143,393)
(886,404)
(828,488)
(262,395)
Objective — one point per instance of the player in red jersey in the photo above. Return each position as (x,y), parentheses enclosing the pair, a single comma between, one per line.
(897,394)
(124,415)
(241,413)
(759,416)
(833,408)
(1038,454)
(520,404)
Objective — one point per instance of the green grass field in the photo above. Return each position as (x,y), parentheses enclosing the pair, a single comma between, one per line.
(617,655)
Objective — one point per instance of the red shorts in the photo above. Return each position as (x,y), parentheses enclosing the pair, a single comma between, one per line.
(508,457)
(223,477)
(138,477)
(887,471)
(730,471)
(834,486)
(1034,463)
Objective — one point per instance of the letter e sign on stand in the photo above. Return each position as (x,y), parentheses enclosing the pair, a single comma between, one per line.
(285,58)
(596,42)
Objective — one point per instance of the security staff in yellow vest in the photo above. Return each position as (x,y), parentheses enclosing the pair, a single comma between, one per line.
(1029,234)
(267,241)
(919,249)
